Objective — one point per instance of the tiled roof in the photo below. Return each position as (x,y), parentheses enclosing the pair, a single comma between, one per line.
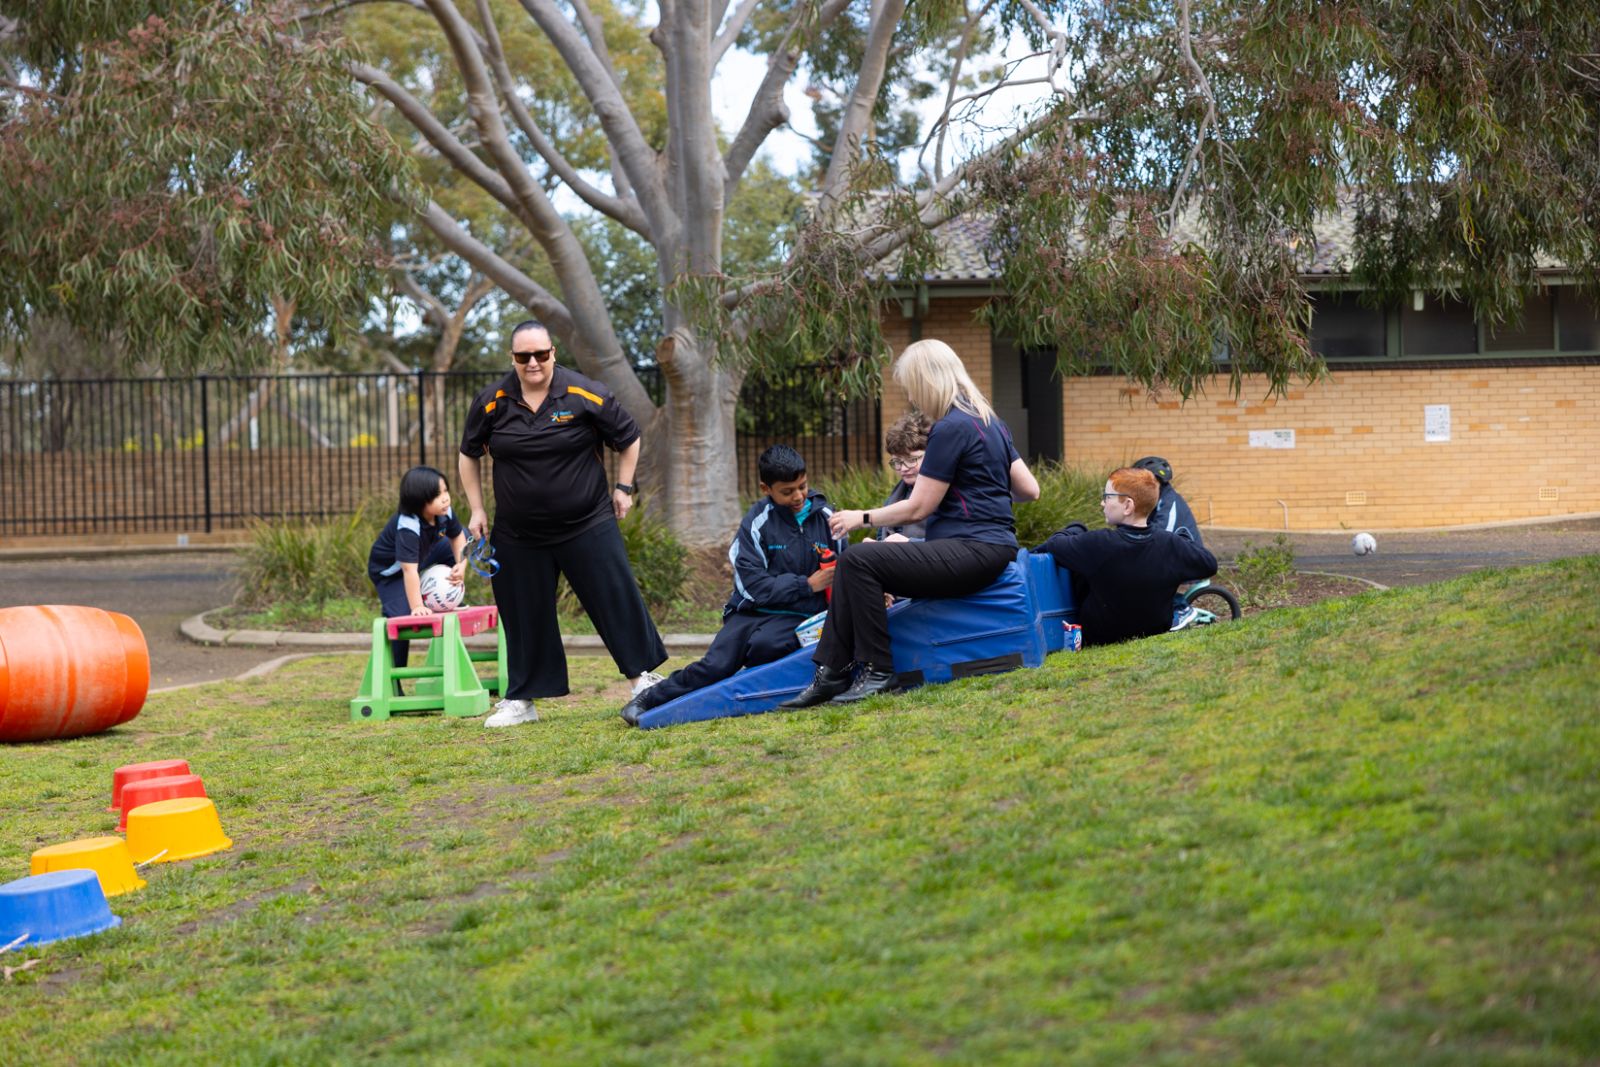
(962,241)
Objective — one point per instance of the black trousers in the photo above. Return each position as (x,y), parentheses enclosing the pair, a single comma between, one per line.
(857,629)
(595,564)
(743,641)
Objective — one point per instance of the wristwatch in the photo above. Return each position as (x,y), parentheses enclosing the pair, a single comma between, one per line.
(626,488)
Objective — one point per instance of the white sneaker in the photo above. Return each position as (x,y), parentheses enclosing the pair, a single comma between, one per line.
(512,713)
(646,680)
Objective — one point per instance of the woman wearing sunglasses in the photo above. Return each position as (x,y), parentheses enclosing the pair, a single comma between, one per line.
(555,515)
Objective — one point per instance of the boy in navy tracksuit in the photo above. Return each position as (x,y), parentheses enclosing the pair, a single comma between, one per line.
(776,582)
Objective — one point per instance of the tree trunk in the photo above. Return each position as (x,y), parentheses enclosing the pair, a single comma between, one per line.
(691,449)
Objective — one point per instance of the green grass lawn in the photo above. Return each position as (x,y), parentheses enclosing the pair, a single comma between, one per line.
(1365,831)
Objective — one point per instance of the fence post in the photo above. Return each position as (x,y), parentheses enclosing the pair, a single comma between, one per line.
(205,446)
(422,418)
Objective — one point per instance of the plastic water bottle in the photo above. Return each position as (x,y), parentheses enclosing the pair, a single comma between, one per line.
(1073,636)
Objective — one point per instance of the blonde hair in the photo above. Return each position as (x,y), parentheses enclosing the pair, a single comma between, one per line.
(936,380)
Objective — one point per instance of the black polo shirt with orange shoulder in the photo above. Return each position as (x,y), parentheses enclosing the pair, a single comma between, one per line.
(550,483)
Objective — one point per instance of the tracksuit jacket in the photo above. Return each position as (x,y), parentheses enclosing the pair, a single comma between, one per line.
(773,555)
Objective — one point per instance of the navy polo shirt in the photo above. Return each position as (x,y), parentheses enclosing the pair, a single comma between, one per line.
(549,482)
(976,460)
(407,539)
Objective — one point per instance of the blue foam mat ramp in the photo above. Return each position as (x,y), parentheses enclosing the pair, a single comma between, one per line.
(1015,622)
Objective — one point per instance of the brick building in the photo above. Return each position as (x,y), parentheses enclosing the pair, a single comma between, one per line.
(1426,418)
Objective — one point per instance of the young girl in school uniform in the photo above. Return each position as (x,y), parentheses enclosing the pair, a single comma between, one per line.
(423,532)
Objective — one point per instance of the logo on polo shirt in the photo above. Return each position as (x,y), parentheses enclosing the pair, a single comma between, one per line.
(563,416)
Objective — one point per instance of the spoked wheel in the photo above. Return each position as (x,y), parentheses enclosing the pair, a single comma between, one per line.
(1220,602)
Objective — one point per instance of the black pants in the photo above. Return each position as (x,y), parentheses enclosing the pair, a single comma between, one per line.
(743,641)
(857,629)
(595,564)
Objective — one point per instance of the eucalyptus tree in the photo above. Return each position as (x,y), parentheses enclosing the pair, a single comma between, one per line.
(1151,211)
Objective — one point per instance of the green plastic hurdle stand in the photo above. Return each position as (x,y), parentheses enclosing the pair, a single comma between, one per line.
(448,679)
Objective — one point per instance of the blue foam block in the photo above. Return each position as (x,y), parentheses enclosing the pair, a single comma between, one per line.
(1015,622)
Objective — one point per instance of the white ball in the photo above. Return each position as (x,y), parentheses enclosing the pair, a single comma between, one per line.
(438,592)
(1363,544)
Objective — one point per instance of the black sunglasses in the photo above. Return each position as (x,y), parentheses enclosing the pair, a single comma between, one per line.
(543,355)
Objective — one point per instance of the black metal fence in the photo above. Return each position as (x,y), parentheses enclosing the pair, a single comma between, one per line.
(154,455)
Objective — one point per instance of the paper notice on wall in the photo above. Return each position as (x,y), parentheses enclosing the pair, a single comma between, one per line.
(1436,422)
(1271,438)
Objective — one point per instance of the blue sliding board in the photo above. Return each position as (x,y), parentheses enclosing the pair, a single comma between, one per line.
(1015,622)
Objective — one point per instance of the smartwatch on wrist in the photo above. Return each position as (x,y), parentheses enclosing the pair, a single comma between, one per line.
(866,518)
(626,488)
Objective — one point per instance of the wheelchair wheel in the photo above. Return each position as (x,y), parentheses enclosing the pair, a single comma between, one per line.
(1220,602)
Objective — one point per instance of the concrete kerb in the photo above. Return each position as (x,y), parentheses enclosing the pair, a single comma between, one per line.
(197,629)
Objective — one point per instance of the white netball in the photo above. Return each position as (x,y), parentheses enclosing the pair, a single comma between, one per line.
(438,591)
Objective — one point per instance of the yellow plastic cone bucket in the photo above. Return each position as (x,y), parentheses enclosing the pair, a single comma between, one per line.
(181,829)
(107,857)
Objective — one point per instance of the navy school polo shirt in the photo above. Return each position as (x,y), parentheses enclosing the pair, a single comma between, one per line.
(976,460)
(549,482)
(407,539)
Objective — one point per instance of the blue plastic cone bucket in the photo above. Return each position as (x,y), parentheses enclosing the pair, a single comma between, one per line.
(53,907)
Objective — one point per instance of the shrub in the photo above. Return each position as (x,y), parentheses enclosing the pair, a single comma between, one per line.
(1264,574)
(296,560)
(1066,494)
(857,488)
(659,561)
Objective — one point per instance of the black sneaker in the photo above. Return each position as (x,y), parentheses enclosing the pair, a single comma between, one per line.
(826,684)
(870,684)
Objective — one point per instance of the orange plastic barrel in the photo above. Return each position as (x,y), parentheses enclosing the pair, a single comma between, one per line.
(68,671)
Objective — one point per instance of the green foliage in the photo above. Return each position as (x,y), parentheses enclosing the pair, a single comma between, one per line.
(1066,494)
(170,179)
(822,306)
(309,563)
(857,488)
(1360,832)
(659,561)
(1263,574)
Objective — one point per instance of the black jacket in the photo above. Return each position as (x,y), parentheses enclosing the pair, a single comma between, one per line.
(1124,577)
(772,556)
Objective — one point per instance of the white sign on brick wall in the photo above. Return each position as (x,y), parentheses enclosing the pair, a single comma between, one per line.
(1271,438)
(1436,422)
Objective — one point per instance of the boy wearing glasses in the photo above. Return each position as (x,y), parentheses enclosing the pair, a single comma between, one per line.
(1124,577)
(778,582)
(905,442)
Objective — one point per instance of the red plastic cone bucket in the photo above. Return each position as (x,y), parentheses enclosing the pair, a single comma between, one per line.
(150,790)
(134,772)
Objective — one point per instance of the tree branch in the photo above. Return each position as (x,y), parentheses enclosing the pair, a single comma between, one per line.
(433,309)
(624,211)
(434,131)
(517,285)
(633,152)
(1186,46)
(973,26)
(857,125)
(767,109)
(310,15)
(730,33)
